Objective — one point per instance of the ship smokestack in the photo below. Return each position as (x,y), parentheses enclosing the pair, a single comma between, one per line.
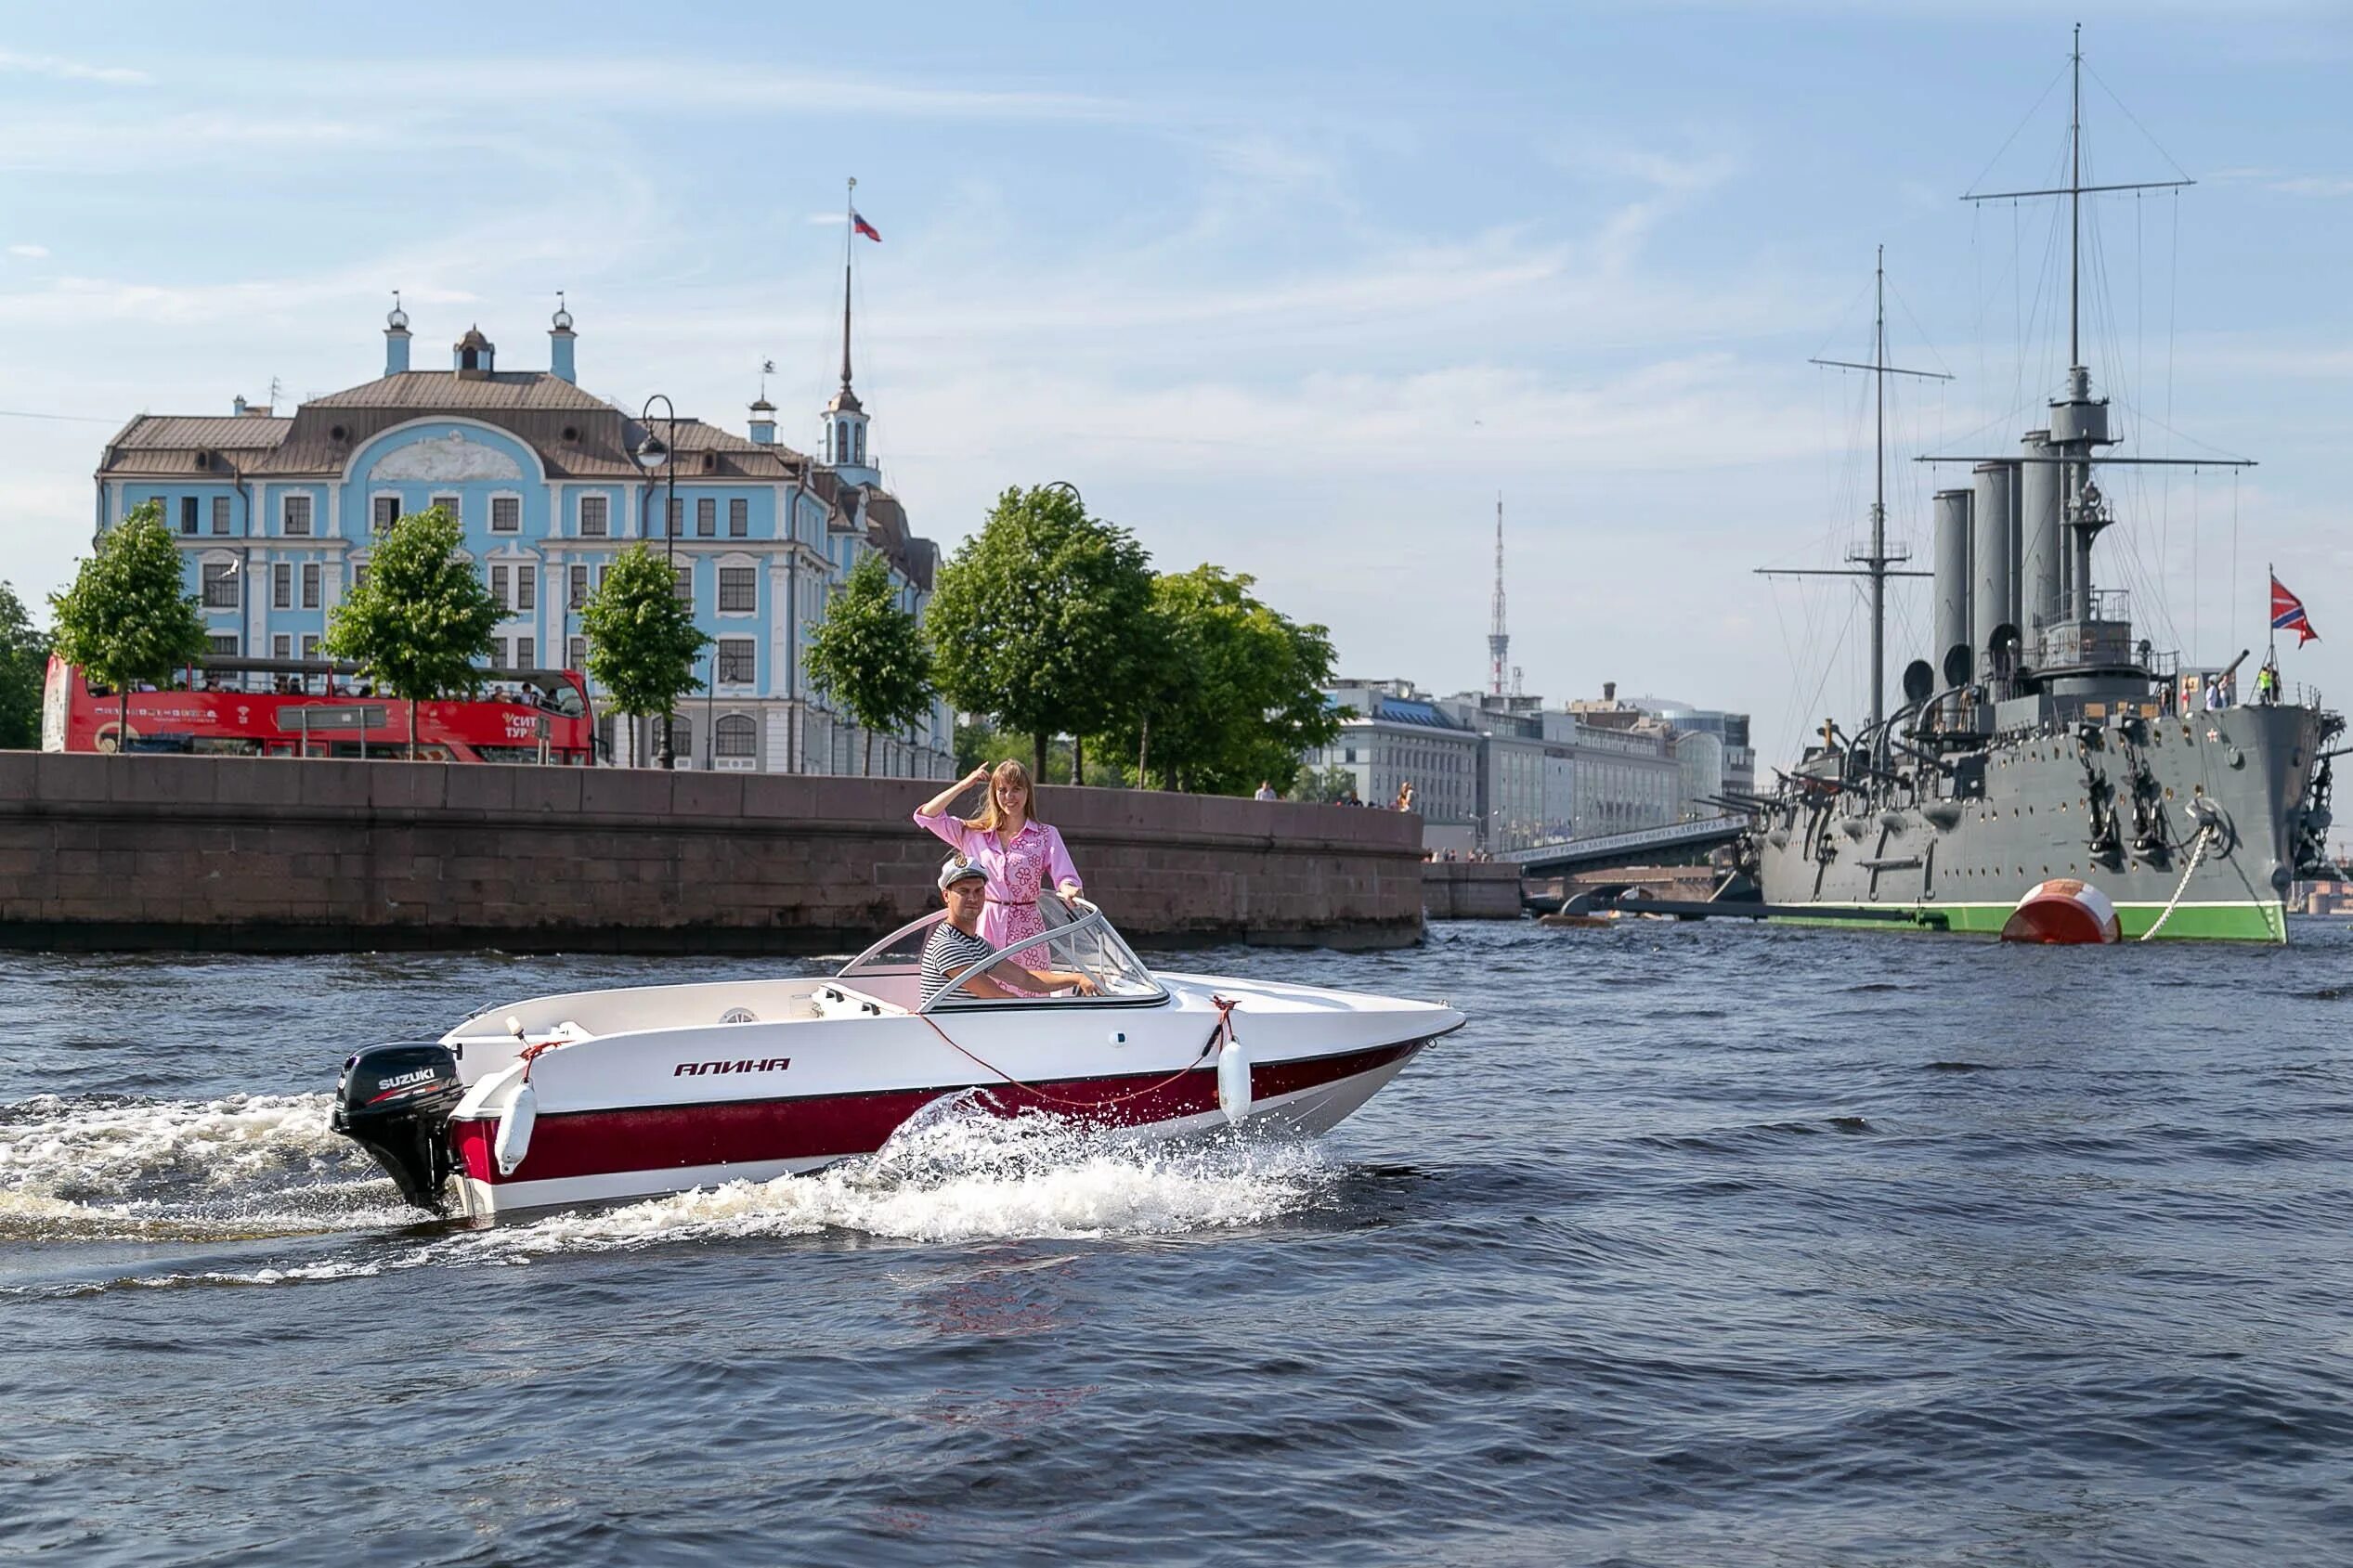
(1952,627)
(2042,559)
(1994,566)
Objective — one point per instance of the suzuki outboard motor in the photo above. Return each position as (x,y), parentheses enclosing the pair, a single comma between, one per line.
(394,1101)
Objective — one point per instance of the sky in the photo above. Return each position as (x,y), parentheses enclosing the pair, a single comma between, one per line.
(1298,290)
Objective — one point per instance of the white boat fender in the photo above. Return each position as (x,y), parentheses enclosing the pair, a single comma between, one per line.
(514,1140)
(521,1112)
(1233,1067)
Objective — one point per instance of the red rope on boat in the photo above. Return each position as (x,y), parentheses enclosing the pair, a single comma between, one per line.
(1222,1030)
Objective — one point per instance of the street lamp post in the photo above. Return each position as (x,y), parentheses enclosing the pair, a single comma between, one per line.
(654,457)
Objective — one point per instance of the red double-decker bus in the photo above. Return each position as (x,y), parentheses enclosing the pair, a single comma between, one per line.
(310,707)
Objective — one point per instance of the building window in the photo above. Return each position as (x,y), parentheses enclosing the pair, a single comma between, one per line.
(595,511)
(453,505)
(187,514)
(282,647)
(498,587)
(358,575)
(734,735)
(220,516)
(222,642)
(858,444)
(282,587)
(681,739)
(220,586)
(677,517)
(526,653)
(294,516)
(576,655)
(526,587)
(738,590)
(498,653)
(311,576)
(739,518)
(735,661)
(506,514)
(685,584)
(705,518)
(580,586)
(386,511)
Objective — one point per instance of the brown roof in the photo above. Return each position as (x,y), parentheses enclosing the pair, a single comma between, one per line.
(441,391)
(237,433)
(576,434)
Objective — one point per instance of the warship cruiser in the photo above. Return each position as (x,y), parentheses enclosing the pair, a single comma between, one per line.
(2046,741)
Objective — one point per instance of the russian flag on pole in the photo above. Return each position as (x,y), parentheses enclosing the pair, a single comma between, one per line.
(2287,614)
(861,225)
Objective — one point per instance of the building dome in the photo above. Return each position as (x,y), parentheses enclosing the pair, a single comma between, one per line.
(562,320)
(397,321)
(473,340)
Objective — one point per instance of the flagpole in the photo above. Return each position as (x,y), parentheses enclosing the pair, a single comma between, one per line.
(848,238)
(2271,617)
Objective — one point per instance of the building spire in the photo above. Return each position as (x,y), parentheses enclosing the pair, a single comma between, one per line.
(1499,642)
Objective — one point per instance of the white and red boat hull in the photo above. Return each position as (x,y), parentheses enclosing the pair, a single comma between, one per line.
(810,1073)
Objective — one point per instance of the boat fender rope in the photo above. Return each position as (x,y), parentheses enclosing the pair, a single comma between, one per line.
(2207,833)
(1222,1030)
(531,1053)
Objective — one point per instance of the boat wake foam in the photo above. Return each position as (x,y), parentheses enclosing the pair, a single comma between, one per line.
(254,1167)
(957,1173)
(94,1167)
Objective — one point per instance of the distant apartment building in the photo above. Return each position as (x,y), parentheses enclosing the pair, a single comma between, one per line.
(1736,769)
(1396,736)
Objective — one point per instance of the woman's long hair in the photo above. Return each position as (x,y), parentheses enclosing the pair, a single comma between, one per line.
(990,818)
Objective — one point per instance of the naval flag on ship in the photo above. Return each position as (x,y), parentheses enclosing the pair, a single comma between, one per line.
(2287,614)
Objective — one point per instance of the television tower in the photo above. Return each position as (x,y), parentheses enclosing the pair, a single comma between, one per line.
(1499,642)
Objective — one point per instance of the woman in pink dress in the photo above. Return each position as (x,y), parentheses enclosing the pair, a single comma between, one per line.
(1023,855)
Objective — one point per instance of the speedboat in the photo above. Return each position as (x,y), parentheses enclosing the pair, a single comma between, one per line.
(635,1093)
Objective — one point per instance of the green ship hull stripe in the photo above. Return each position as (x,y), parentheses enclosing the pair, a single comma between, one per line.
(2240,920)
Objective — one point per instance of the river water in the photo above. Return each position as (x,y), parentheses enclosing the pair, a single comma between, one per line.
(1701,1244)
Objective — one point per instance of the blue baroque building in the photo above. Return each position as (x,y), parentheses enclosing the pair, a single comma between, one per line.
(274,514)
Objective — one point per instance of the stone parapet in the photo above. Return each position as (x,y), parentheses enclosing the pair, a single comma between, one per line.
(1470,890)
(258,854)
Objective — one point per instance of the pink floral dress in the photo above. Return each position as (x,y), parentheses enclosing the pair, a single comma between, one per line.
(1034,863)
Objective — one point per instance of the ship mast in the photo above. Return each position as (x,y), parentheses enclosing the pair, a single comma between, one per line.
(2079,421)
(1873,562)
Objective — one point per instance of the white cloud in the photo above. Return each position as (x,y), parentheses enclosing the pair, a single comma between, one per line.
(72,70)
(30,253)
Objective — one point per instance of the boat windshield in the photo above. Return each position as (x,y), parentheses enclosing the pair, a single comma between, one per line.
(1077,958)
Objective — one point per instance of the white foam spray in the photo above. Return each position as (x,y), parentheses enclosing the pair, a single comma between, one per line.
(954,1173)
(91,1167)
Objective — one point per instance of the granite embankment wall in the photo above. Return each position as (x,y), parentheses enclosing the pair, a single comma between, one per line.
(257,854)
(1470,890)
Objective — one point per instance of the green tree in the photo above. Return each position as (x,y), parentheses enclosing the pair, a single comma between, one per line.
(1324,786)
(24,664)
(642,636)
(127,617)
(977,745)
(1040,619)
(1234,690)
(423,617)
(869,655)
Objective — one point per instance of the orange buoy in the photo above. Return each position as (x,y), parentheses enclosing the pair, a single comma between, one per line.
(2062,910)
